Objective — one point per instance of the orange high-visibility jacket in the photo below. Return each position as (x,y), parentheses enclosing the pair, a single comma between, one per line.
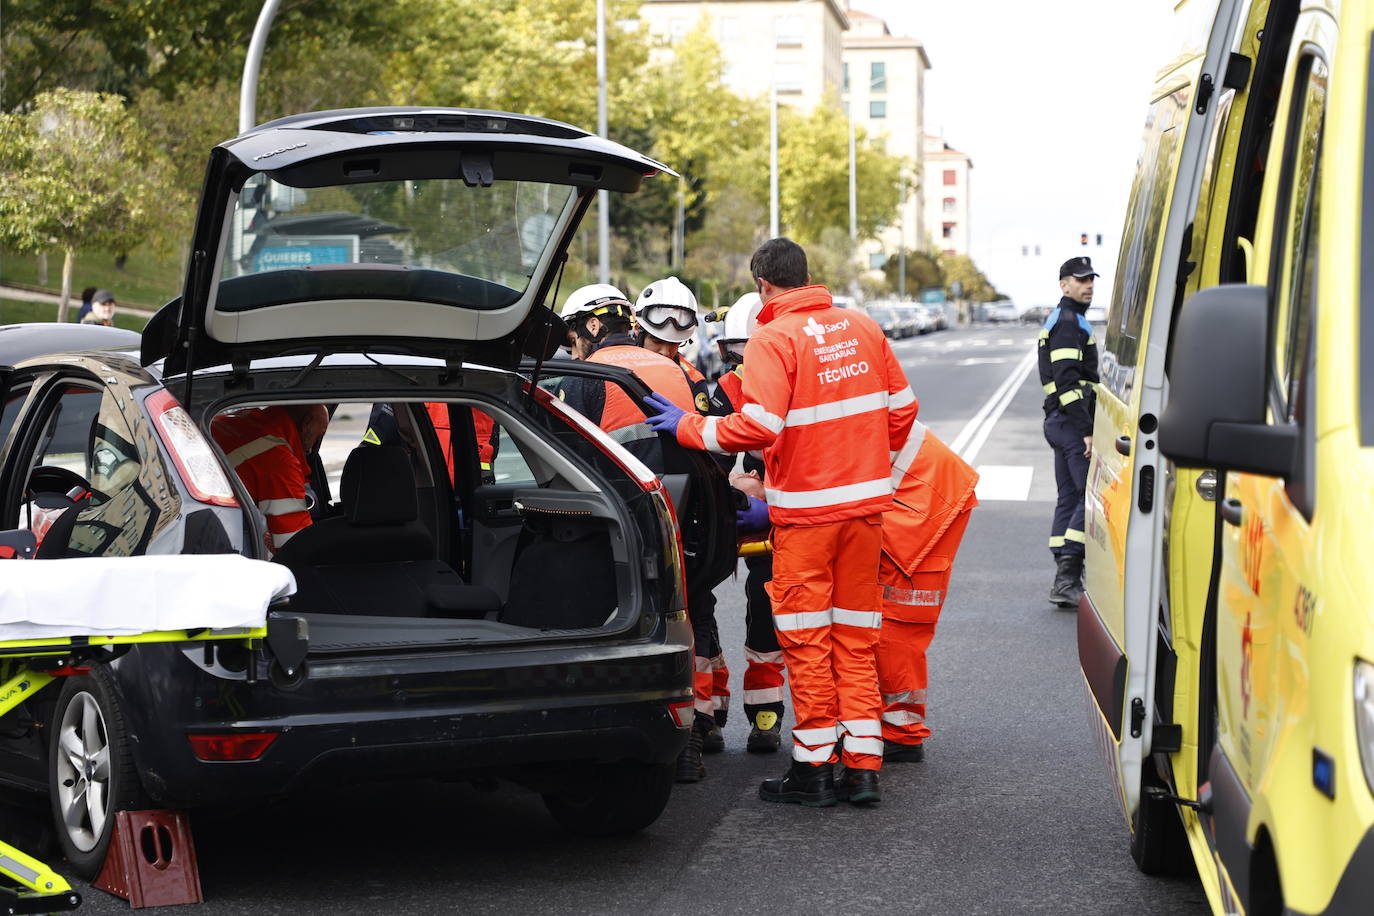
(660,373)
(264,448)
(482,425)
(826,401)
(934,485)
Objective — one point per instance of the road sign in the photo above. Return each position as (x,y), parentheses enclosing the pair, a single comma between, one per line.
(933,296)
(282,252)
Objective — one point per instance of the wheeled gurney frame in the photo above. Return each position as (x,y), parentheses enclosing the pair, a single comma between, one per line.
(26,667)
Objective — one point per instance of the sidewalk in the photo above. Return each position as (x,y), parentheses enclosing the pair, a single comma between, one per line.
(30,294)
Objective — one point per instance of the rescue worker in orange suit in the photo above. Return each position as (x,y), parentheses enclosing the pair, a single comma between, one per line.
(599,319)
(763,676)
(383,429)
(666,313)
(921,535)
(826,400)
(269,449)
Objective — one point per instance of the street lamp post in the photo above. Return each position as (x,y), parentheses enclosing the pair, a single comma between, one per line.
(774,225)
(252,64)
(603,198)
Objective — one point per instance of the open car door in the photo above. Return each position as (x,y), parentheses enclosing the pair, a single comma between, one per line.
(1119,619)
(699,489)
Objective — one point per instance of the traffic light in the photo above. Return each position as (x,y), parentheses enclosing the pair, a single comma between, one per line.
(1083,238)
(1099,240)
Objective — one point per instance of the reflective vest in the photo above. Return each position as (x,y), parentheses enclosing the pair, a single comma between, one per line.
(933,487)
(701,389)
(826,401)
(622,417)
(482,425)
(264,448)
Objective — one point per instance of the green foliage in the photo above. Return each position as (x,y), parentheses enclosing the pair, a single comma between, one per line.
(77,170)
(15,311)
(813,175)
(959,268)
(923,271)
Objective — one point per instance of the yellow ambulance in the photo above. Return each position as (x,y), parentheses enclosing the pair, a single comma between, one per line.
(1227,631)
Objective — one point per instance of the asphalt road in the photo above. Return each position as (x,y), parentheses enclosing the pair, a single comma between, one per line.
(1011,812)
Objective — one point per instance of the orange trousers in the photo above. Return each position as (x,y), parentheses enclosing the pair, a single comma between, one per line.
(911,608)
(827,612)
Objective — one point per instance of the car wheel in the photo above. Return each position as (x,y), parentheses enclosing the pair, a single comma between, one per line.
(1159,844)
(613,798)
(91,771)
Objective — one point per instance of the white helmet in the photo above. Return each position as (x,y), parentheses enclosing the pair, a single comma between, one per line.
(667,310)
(740,321)
(597,296)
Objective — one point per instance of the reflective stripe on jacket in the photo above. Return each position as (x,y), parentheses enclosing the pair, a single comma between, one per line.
(1068,364)
(264,448)
(826,401)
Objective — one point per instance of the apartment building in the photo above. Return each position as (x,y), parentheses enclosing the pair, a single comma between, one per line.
(947,196)
(884,91)
(800,42)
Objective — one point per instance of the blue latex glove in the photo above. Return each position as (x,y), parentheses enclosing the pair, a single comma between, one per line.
(664,415)
(753,519)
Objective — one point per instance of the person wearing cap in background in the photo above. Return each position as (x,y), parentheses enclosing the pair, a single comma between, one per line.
(102,309)
(1068,371)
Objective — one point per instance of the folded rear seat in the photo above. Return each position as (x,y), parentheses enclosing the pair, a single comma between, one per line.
(378,558)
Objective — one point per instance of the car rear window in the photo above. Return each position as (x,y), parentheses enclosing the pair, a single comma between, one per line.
(437,240)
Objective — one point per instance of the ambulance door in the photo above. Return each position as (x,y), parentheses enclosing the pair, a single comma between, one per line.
(1263,605)
(1123,529)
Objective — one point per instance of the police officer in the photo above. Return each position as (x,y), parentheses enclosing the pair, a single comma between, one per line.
(1068,370)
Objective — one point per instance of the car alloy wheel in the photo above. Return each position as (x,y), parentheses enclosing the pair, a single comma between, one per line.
(83,771)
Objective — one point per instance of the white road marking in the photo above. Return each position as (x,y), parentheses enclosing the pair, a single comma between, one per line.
(1006,342)
(979,343)
(1004,482)
(977,430)
(983,361)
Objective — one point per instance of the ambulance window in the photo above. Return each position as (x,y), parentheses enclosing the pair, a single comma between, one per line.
(1145,217)
(1293,270)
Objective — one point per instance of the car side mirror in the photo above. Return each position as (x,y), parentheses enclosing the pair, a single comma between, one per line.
(1218,387)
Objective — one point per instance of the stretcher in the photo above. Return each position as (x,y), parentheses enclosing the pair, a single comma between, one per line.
(231,592)
(755,548)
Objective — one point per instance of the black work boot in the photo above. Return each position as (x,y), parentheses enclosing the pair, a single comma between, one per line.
(712,739)
(689,765)
(859,787)
(1068,581)
(766,735)
(812,785)
(894,752)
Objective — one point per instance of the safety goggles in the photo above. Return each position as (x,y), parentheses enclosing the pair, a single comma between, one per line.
(661,316)
(732,349)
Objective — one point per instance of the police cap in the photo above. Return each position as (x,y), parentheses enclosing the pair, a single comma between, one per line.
(1081,267)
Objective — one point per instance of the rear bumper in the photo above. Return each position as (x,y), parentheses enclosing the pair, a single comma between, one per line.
(393,717)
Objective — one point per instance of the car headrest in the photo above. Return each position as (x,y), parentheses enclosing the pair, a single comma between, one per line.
(378,486)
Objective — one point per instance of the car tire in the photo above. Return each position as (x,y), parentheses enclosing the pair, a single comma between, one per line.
(91,771)
(613,798)
(1159,844)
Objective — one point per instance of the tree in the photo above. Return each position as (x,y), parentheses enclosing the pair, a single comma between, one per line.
(923,271)
(77,170)
(813,175)
(973,286)
(719,252)
(831,260)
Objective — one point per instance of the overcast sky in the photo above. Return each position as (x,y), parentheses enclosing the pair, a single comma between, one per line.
(1048,98)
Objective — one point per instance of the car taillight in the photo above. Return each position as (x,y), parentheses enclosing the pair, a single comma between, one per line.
(682,712)
(234,746)
(193,456)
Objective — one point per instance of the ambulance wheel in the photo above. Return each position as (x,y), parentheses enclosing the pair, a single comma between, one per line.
(612,798)
(91,771)
(1159,844)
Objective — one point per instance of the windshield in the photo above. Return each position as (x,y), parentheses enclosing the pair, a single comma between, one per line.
(436,240)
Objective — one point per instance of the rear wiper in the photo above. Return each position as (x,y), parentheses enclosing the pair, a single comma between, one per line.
(414,382)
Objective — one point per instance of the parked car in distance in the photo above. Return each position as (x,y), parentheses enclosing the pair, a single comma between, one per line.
(935,316)
(498,588)
(1096,314)
(887,318)
(1036,314)
(1001,311)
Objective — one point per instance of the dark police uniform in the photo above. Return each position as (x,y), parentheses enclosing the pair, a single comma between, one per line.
(1068,370)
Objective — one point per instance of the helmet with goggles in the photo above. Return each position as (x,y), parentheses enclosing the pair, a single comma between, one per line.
(740,322)
(595,300)
(667,310)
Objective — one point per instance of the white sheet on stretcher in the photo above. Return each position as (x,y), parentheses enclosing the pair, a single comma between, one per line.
(125,596)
